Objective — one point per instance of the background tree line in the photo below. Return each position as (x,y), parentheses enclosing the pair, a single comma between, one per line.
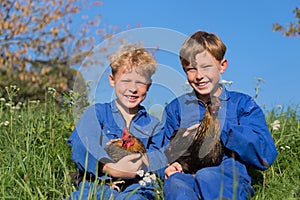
(39,45)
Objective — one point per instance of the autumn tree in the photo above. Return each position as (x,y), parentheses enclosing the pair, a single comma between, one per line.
(39,44)
(293,29)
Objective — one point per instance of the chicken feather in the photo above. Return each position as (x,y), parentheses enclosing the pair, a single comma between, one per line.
(202,147)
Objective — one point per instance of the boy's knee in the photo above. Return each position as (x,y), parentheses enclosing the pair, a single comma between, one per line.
(173,181)
(212,183)
(207,174)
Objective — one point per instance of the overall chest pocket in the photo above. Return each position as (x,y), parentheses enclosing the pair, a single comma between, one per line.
(109,133)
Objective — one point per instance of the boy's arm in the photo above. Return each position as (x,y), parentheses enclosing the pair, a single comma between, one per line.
(171,120)
(249,136)
(156,157)
(159,140)
(86,149)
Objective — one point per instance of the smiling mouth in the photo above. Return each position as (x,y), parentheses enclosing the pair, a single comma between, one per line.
(202,84)
(131,97)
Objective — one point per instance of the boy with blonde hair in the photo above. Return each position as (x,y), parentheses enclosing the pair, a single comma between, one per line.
(132,68)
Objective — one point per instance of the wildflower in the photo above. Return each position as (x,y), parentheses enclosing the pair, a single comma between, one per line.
(225,82)
(6,123)
(8,104)
(147,179)
(34,101)
(142,183)
(153,177)
(16,107)
(147,174)
(2,99)
(140,173)
(52,91)
(285,147)
(275,125)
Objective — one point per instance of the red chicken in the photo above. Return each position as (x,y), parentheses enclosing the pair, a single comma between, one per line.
(124,146)
(201,148)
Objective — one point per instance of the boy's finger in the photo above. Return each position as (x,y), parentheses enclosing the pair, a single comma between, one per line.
(193,127)
(112,140)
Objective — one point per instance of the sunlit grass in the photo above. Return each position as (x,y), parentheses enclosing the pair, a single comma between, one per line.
(282,179)
(35,159)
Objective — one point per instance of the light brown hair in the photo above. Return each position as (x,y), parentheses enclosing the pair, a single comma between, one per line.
(199,42)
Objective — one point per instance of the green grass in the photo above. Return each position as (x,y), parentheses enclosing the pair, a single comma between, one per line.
(282,179)
(35,159)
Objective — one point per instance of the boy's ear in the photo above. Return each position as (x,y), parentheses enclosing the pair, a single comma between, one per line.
(111,80)
(224,64)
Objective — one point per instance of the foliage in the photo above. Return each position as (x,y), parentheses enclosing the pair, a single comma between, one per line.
(37,46)
(293,29)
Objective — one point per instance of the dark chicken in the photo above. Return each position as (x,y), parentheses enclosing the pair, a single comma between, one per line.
(201,148)
(124,146)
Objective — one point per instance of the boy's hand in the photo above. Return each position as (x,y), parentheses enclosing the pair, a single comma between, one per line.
(125,167)
(172,169)
(190,130)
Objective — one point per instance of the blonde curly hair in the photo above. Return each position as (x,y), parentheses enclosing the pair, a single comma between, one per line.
(133,57)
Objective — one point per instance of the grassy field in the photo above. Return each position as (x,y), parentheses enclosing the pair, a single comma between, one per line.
(35,159)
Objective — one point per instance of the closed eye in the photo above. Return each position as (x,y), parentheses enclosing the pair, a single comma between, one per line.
(190,69)
(140,83)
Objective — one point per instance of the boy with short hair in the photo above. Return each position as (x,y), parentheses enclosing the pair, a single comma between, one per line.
(244,132)
(132,68)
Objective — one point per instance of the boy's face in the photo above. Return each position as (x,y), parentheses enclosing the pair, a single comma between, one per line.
(130,88)
(205,75)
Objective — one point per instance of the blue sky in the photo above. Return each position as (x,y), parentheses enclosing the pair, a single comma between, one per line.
(253,49)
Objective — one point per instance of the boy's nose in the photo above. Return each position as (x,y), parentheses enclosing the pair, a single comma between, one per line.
(199,74)
(132,87)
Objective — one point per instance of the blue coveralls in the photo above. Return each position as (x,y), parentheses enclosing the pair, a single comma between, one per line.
(99,124)
(247,141)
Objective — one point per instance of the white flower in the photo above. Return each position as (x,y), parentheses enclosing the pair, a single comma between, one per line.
(147,179)
(153,177)
(275,125)
(285,147)
(147,174)
(225,82)
(16,107)
(142,183)
(140,173)
(8,104)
